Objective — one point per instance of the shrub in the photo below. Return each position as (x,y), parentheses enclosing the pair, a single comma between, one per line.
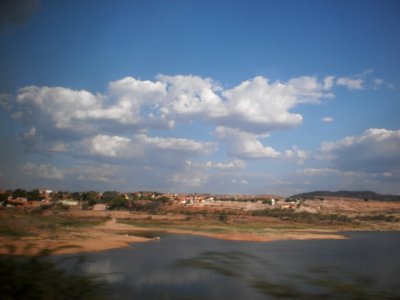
(379,217)
(291,215)
(223,217)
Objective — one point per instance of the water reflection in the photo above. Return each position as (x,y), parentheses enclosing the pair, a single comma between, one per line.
(186,267)
(107,270)
(316,283)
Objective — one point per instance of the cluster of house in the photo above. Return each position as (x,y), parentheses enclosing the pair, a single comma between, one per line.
(185,199)
(66,199)
(24,202)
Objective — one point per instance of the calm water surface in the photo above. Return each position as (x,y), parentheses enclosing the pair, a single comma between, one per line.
(365,266)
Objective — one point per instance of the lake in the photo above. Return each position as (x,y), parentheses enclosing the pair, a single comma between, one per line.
(365,266)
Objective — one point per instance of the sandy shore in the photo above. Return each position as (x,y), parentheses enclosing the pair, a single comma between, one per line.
(89,239)
(112,235)
(304,235)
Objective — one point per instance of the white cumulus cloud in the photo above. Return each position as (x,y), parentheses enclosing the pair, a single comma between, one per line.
(259,106)
(232,165)
(297,153)
(58,105)
(130,96)
(255,105)
(108,145)
(244,145)
(142,146)
(192,96)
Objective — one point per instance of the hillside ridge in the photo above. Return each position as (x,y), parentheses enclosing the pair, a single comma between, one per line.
(366,195)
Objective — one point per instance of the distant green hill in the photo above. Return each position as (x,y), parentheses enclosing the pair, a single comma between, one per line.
(349,194)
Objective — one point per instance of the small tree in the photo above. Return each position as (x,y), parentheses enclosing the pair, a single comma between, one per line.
(164,199)
(153,206)
(90,197)
(118,203)
(19,193)
(34,195)
(4,198)
(223,217)
(77,196)
(267,201)
(114,199)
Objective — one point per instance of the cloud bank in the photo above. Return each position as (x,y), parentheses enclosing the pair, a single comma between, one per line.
(376,150)
(114,124)
(144,126)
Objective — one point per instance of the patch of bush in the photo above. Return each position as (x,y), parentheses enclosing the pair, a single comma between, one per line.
(150,207)
(291,215)
(223,217)
(378,217)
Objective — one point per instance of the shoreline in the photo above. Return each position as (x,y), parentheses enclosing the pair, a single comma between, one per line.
(113,235)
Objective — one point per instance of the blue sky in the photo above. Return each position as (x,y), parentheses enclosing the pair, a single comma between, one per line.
(200,96)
